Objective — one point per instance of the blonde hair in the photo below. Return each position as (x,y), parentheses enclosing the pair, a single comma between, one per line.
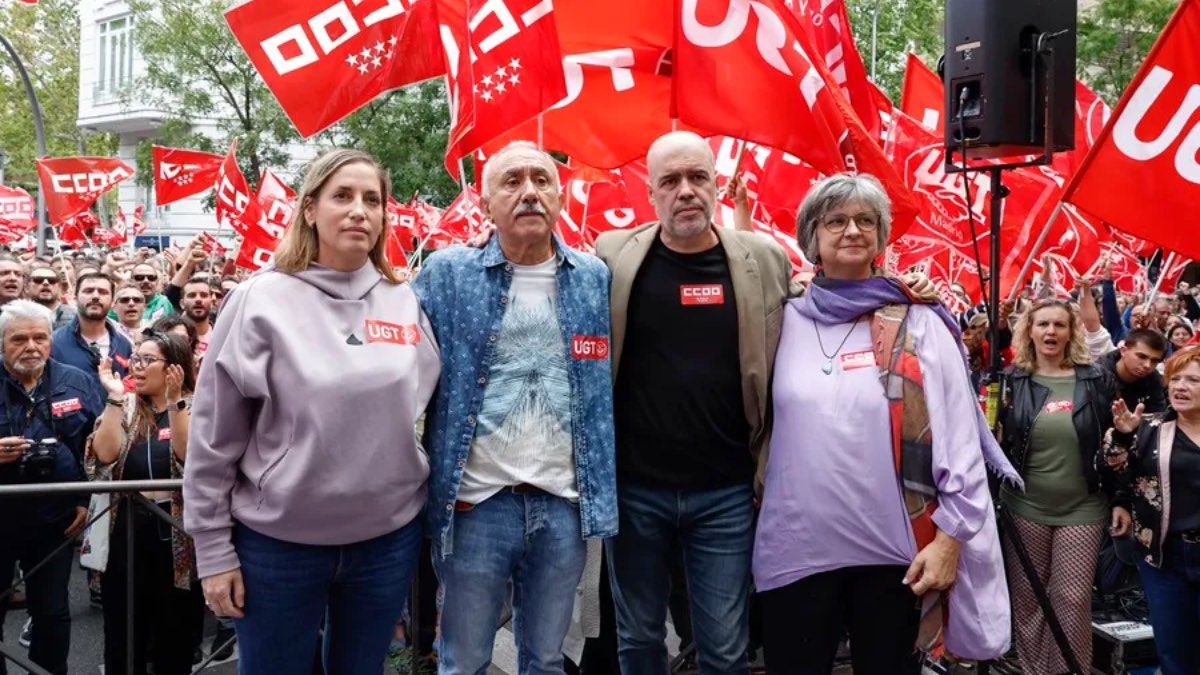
(300,244)
(1024,353)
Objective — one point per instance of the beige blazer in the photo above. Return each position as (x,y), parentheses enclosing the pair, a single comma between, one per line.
(760,271)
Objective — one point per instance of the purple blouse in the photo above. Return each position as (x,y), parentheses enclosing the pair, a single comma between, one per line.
(832,498)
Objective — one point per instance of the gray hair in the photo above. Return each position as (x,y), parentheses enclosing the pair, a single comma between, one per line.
(490,168)
(24,309)
(831,193)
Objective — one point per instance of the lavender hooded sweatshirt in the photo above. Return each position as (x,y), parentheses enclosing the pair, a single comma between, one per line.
(303,422)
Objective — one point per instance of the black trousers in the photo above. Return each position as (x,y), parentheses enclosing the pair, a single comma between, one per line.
(804,621)
(164,629)
(28,543)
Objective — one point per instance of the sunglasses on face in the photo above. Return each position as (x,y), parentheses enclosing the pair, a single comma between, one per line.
(131,300)
(43,280)
(145,277)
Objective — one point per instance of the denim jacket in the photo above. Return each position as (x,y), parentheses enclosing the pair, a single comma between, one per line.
(464,292)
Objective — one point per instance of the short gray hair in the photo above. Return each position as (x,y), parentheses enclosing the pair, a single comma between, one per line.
(831,193)
(490,168)
(24,309)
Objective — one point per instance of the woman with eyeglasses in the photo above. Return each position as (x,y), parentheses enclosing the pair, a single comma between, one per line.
(143,436)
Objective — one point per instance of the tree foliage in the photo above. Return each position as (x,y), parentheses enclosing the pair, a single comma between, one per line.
(1114,38)
(196,73)
(46,37)
(904,26)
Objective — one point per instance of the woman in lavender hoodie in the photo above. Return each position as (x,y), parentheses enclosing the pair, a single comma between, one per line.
(304,477)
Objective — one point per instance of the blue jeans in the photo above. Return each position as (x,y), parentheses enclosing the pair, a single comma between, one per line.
(533,540)
(715,531)
(359,589)
(45,591)
(1173,592)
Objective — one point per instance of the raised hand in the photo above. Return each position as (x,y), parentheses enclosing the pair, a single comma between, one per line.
(174,379)
(111,381)
(1125,421)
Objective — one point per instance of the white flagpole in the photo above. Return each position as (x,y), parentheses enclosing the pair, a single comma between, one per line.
(1162,272)
(1037,246)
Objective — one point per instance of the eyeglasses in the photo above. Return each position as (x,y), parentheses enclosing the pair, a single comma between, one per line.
(145,277)
(43,280)
(146,361)
(838,222)
(132,300)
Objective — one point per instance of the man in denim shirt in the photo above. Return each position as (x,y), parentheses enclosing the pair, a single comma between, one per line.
(520,433)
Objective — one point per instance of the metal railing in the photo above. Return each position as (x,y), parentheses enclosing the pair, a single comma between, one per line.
(131,492)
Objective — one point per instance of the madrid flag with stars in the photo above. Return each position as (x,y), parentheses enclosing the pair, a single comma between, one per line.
(323,61)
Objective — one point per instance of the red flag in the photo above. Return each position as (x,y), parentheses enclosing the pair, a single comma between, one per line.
(234,204)
(351,51)
(1143,173)
(460,221)
(395,252)
(72,184)
(761,81)
(139,225)
(922,95)
(77,231)
(830,32)
(210,244)
(277,202)
(16,208)
(257,249)
(504,65)
(180,173)
(405,222)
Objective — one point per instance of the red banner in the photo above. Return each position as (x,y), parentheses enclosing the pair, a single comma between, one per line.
(922,96)
(1143,174)
(277,203)
(180,173)
(235,207)
(17,209)
(459,222)
(504,65)
(72,184)
(761,80)
(257,249)
(323,60)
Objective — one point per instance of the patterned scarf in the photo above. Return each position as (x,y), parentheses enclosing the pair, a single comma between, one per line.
(912,445)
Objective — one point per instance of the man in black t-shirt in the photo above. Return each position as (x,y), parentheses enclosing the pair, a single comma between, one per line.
(696,316)
(1135,365)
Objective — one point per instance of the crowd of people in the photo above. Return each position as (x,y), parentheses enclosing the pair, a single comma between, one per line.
(584,438)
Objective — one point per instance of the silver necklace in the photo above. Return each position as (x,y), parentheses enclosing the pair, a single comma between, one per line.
(827,367)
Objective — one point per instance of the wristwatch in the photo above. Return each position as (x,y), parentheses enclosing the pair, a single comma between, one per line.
(181,404)
(118,402)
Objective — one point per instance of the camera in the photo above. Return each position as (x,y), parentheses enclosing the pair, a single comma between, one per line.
(37,463)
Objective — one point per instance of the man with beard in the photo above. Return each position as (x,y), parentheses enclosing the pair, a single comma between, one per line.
(12,279)
(145,277)
(90,335)
(129,303)
(197,304)
(43,289)
(56,406)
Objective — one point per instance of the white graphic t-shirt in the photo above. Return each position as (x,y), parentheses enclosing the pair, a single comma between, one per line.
(523,433)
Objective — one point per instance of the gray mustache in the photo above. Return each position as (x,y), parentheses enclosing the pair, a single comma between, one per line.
(529,207)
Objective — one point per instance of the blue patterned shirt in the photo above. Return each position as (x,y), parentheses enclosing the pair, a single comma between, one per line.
(465,292)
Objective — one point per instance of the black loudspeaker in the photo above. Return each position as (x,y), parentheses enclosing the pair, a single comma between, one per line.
(990,52)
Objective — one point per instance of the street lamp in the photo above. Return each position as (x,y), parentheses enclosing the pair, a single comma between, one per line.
(40,132)
(3,163)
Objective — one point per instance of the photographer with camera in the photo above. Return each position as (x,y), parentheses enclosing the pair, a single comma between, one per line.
(47,410)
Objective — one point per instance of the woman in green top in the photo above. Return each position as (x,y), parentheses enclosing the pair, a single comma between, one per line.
(1054,417)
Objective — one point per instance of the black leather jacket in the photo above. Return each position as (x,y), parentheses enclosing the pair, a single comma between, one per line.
(1095,390)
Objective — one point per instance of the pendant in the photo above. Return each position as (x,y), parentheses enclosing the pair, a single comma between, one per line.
(827,367)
